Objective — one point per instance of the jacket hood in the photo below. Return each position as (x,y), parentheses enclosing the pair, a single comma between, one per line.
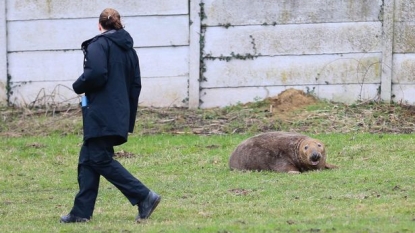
(120,37)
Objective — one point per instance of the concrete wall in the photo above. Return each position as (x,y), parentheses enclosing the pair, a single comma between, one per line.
(330,48)
(44,55)
(208,53)
(403,81)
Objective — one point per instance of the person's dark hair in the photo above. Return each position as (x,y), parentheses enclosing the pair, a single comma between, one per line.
(110,19)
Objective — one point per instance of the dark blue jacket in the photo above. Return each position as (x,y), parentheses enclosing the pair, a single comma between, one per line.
(111,82)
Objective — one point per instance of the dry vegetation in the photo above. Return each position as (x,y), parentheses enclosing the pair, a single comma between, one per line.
(292,110)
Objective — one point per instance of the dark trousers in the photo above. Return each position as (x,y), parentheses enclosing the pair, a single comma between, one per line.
(95,160)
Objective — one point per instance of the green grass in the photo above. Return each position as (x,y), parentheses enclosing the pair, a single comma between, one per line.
(372,191)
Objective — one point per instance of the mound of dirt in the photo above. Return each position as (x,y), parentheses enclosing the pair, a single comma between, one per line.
(290,100)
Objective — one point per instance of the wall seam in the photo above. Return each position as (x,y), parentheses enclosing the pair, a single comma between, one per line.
(194,53)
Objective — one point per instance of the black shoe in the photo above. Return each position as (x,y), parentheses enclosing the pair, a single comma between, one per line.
(146,207)
(72,218)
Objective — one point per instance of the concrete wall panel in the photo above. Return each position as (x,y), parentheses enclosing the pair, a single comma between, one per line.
(248,12)
(164,61)
(54,34)
(160,92)
(164,92)
(403,93)
(71,9)
(50,66)
(404,10)
(404,69)
(57,66)
(294,39)
(348,93)
(294,70)
(404,37)
(43,93)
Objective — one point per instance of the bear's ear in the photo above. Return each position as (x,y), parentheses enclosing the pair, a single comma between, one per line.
(330,166)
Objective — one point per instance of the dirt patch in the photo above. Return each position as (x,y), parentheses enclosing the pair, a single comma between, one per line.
(239,191)
(289,101)
(124,154)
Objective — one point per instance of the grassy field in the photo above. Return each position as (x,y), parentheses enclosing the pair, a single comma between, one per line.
(372,191)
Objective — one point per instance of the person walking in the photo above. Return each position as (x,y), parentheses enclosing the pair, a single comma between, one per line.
(111,82)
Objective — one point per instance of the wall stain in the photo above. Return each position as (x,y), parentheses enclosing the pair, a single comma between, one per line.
(49,6)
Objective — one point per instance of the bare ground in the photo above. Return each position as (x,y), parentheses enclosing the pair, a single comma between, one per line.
(292,110)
